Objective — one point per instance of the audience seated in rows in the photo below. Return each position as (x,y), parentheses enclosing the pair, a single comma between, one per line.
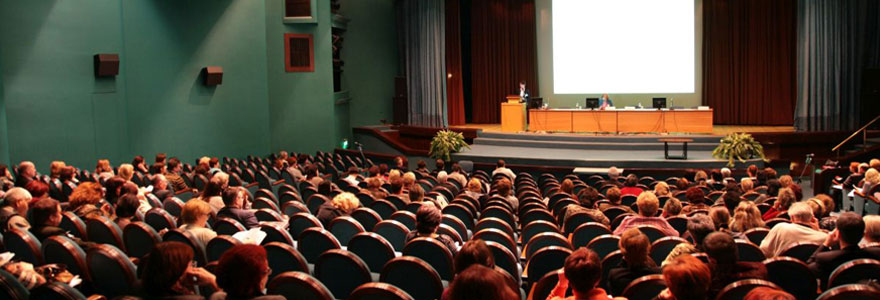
(687,278)
(803,228)
(428,219)
(648,205)
(613,197)
(234,201)
(850,230)
(587,199)
(194,218)
(723,256)
(341,205)
(636,262)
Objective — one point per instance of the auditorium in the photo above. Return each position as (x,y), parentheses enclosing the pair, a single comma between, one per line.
(440,149)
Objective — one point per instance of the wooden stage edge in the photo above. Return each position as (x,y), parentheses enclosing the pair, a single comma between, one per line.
(716,129)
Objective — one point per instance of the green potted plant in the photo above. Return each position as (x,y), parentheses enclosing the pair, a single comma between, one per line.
(738,146)
(445,143)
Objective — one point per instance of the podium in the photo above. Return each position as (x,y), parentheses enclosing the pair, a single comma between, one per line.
(513,115)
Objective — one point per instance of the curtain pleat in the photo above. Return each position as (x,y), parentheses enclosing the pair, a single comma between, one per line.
(503,52)
(454,83)
(835,40)
(749,60)
(422,28)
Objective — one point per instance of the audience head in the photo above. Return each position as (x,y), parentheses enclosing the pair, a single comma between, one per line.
(613,172)
(195,212)
(731,199)
(38,189)
(613,195)
(800,212)
(503,187)
(55,168)
(137,160)
(173,165)
(768,293)
(683,184)
(85,193)
(872,176)
(672,207)
(817,206)
(346,202)
(784,199)
(631,180)
(27,169)
(160,158)
(695,195)
(480,282)
(583,268)
(500,164)
(746,216)
(113,185)
(863,167)
(440,164)
(771,173)
(721,248)
(850,228)
(232,197)
(720,216)
(127,205)
(164,267)
(588,197)
(699,226)
(421,165)
(396,185)
(725,173)
(773,187)
(400,161)
(635,246)
(409,178)
(126,171)
(700,177)
(474,252)
(456,168)
(416,193)
(19,199)
(687,278)
(785,180)
(242,271)
(874,163)
(67,173)
(159,182)
(475,186)
(872,228)
(648,204)
(661,189)
(747,185)
(828,203)
(46,212)
(428,218)
(752,170)
(854,167)
(567,187)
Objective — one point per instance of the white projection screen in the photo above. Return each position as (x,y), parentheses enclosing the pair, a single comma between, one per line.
(623,46)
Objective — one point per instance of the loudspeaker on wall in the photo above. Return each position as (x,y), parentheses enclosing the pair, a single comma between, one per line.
(106,64)
(213,75)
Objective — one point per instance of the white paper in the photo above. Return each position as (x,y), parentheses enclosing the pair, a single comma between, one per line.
(254,236)
(5,257)
(75,281)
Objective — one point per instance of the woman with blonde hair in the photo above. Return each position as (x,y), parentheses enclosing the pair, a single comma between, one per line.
(872,179)
(746,216)
(783,201)
(195,215)
(341,205)
(126,171)
(701,177)
(747,185)
(474,189)
(55,169)
(103,169)
(661,189)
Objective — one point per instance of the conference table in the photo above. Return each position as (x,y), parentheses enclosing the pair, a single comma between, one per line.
(643,120)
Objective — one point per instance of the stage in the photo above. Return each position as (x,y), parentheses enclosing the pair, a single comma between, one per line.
(716,129)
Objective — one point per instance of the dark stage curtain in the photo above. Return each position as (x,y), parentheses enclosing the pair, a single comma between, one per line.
(421,26)
(503,52)
(749,59)
(454,84)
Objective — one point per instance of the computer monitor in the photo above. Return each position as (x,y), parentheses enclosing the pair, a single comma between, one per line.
(592,103)
(659,103)
(536,102)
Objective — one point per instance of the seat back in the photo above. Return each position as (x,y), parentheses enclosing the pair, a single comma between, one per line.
(56,290)
(461,212)
(315,241)
(378,291)
(394,232)
(612,260)
(315,201)
(802,250)
(544,286)
(851,292)
(174,205)
(102,230)
(434,253)
(227,226)
(267,215)
(366,217)
(738,289)
(645,287)
(373,249)
(749,252)
(660,248)
(604,244)
(652,232)
(73,224)
(546,260)
(345,227)
(756,235)
(414,276)
(406,218)
(111,271)
(275,233)
(139,238)
(679,223)
(456,225)
(300,222)
(793,276)
(341,271)
(855,271)
(504,259)
(24,245)
(496,223)
(160,219)
(11,288)
(60,249)
(383,207)
(218,245)
(544,240)
(298,285)
(585,233)
(191,241)
(497,236)
(284,258)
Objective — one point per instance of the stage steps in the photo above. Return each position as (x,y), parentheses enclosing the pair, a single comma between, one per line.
(580,142)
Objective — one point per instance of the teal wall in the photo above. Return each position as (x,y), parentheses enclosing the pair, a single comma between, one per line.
(52,107)
(544,27)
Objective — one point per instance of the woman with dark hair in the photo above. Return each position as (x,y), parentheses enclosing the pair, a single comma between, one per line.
(696,200)
(480,282)
(126,207)
(636,263)
(113,187)
(242,273)
(428,219)
(630,186)
(587,199)
(167,271)
(474,252)
(139,164)
(6,182)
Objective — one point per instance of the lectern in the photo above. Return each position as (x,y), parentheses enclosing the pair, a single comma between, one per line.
(513,115)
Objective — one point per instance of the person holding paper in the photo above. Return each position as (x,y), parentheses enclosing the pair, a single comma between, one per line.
(605,102)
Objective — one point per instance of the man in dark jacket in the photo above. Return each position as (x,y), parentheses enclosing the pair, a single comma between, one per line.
(233,199)
(850,229)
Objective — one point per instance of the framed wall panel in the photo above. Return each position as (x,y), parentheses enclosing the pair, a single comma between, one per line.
(300,11)
(299,52)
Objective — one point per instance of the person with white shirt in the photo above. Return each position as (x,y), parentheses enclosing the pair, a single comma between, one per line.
(352,178)
(803,228)
(500,168)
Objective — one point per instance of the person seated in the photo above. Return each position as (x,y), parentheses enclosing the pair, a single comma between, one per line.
(325,188)
(696,201)
(428,219)
(439,165)
(352,176)
(233,198)
(501,168)
(687,278)
(194,216)
(167,272)
(126,207)
(26,173)
(773,188)
(172,173)
(476,252)
(850,230)
(396,184)
(872,230)
(160,188)
(698,227)
(648,206)
(409,179)
(14,210)
(38,189)
(474,189)
(505,191)
(480,282)
(803,228)
(636,262)
(672,208)
(213,188)
(341,205)
(85,201)
(312,175)
(126,171)
(46,216)
(587,199)
(605,102)
(662,189)
(400,164)
(457,174)
(374,187)
(746,216)
(630,186)
(581,272)
(720,217)
(613,197)
(422,167)
(747,185)
(6,181)
(768,293)
(784,200)
(242,273)
(723,256)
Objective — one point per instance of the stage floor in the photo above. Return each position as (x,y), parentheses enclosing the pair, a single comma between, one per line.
(716,130)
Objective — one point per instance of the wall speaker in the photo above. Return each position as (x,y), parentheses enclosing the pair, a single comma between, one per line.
(213,75)
(106,64)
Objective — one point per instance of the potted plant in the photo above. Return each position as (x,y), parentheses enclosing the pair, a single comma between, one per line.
(445,143)
(738,146)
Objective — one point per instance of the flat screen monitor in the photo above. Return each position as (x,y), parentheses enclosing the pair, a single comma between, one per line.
(592,103)
(536,102)
(659,103)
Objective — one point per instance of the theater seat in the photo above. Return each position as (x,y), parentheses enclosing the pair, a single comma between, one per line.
(73,224)
(218,245)
(11,288)
(111,271)
(298,285)
(414,276)
(801,251)
(645,287)
(373,249)
(394,232)
(366,217)
(434,253)
(855,271)
(738,289)
(793,276)
(604,244)
(62,250)
(102,230)
(227,226)
(378,291)
(505,260)
(284,258)
(160,219)
(749,252)
(25,246)
(56,291)
(851,292)
(275,233)
(545,261)
(341,271)
(315,241)
(585,233)
(300,222)
(660,249)
(344,228)
(187,238)
(406,218)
